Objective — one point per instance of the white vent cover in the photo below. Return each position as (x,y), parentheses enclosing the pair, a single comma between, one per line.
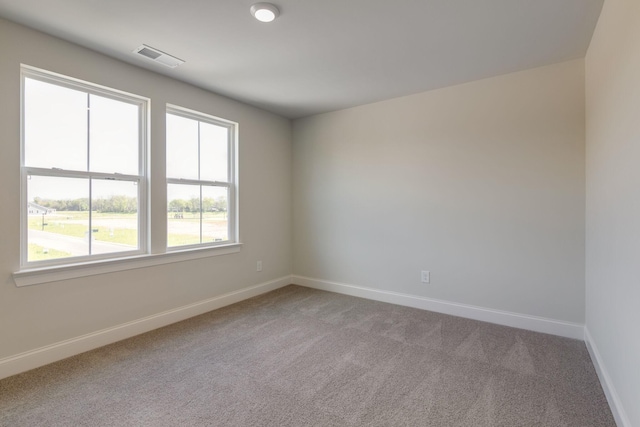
(158,56)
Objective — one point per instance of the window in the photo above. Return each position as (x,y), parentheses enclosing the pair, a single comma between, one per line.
(83,171)
(84,183)
(201,188)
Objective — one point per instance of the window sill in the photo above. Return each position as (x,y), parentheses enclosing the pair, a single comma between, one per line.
(35,276)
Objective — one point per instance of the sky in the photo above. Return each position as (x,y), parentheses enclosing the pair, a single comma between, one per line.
(73,130)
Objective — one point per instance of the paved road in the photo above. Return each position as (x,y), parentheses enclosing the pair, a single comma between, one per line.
(76,246)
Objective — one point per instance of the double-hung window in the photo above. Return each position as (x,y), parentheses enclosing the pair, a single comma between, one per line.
(84,181)
(83,168)
(201,183)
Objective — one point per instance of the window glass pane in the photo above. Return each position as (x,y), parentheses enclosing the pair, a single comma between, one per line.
(114,221)
(213,152)
(113,136)
(55,126)
(215,220)
(58,217)
(183,222)
(182,147)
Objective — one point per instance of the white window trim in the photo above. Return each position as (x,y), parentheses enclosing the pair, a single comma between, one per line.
(35,276)
(232,184)
(142,177)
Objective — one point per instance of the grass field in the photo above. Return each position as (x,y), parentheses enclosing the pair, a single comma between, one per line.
(184,239)
(78,226)
(122,228)
(38,253)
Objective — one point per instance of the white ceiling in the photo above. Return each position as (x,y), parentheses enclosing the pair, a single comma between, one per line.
(323,55)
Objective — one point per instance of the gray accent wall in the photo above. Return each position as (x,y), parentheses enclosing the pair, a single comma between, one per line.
(482,184)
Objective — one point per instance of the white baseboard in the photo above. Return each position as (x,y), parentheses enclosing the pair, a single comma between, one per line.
(51,353)
(605,380)
(516,320)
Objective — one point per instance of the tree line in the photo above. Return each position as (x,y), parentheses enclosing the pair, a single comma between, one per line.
(114,204)
(209,204)
(124,204)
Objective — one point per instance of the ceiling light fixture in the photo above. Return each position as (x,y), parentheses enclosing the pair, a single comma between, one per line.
(264,12)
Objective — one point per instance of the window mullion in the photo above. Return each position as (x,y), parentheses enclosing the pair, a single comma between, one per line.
(201,216)
(88,170)
(88,132)
(200,176)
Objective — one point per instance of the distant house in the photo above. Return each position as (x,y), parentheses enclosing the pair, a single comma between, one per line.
(39,210)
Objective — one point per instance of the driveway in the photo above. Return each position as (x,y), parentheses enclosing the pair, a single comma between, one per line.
(74,245)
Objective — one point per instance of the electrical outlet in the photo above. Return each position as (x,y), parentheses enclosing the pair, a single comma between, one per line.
(259,266)
(425,276)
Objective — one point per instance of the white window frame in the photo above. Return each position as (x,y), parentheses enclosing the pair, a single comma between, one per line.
(141,179)
(231,184)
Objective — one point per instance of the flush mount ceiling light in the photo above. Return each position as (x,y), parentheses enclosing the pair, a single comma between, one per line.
(264,12)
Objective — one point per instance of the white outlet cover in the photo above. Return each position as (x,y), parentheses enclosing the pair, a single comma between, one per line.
(425,276)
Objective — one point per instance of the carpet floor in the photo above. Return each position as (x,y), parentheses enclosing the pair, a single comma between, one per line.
(302,357)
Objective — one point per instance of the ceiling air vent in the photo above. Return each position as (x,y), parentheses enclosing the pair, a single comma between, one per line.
(158,56)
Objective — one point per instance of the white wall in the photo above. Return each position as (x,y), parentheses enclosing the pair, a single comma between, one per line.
(481,183)
(36,316)
(613,198)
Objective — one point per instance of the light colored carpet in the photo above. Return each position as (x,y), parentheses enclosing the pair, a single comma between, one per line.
(301,357)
